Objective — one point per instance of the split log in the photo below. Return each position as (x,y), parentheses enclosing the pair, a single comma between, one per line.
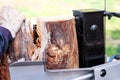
(18,50)
(61,50)
(27,44)
(4,68)
(53,39)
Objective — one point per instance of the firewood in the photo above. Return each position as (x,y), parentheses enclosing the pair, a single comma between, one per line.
(52,39)
(61,50)
(26,45)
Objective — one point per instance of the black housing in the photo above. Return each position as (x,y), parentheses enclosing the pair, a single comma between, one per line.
(90,35)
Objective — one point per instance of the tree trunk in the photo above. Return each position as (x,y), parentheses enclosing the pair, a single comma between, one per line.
(4,68)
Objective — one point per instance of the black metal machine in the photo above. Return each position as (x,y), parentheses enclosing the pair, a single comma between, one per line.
(90,35)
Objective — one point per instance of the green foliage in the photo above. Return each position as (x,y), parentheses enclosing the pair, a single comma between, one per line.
(115,34)
(112,50)
(118,49)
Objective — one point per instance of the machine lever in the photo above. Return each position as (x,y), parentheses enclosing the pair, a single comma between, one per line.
(111,14)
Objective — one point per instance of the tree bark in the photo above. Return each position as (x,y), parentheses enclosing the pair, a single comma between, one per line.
(4,68)
(61,50)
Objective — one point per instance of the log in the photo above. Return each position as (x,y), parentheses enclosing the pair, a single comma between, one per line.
(18,50)
(27,44)
(4,68)
(52,39)
(61,50)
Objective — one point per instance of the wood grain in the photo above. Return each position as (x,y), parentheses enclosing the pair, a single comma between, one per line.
(61,51)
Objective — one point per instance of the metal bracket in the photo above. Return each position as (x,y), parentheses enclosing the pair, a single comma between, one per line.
(108,71)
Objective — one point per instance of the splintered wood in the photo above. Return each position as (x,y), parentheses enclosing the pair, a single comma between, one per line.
(26,45)
(52,39)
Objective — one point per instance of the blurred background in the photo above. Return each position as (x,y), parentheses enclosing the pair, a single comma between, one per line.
(37,8)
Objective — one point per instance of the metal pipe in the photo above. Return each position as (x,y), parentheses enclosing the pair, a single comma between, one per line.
(84,77)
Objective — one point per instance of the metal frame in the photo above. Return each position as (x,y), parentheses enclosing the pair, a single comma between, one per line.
(35,71)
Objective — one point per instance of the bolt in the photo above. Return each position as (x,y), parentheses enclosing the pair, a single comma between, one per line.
(103,73)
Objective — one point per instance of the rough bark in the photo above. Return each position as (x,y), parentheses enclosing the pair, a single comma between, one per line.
(61,50)
(4,68)
(18,50)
